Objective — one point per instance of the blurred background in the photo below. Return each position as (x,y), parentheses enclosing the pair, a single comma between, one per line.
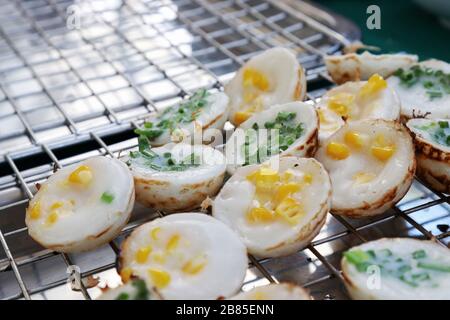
(415,26)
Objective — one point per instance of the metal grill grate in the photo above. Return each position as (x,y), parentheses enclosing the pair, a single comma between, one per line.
(70,93)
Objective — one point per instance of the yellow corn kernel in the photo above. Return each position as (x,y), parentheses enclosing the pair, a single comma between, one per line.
(287,176)
(353,139)
(125,274)
(154,233)
(255,78)
(264,178)
(241,116)
(173,242)
(249,96)
(258,215)
(382,149)
(382,153)
(142,254)
(81,175)
(285,190)
(290,210)
(159,257)
(322,116)
(56,205)
(160,278)
(339,108)
(337,150)
(341,102)
(363,177)
(308,178)
(194,266)
(35,211)
(375,84)
(380,140)
(52,218)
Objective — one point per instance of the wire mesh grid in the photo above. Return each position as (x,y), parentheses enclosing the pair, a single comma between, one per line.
(102,75)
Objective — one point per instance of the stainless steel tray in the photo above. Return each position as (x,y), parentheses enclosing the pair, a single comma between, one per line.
(77,76)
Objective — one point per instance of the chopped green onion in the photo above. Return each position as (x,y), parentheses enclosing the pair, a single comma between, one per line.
(107,197)
(419,254)
(421,276)
(123,296)
(356,256)
(404,268)
(141,288)
(443,124)
(433,266)
(408,282)
(385,253)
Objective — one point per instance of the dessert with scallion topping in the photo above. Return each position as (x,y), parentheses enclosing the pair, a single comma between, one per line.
(287,130)
(432,141)
(423,89)
(397,268)
(203,110)
(175,177)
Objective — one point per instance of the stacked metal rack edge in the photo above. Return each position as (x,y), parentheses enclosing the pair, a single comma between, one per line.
(77,76)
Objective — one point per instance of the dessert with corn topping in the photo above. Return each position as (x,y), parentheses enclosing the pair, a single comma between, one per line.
(275,291)
(182,256)
(270,78)
(82,206)
(371,165)
(181,122)
(423,89)
(276,210)
(358,100)
(135,289)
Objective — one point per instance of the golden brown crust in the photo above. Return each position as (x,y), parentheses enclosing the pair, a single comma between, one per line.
(342,77)
(193,194)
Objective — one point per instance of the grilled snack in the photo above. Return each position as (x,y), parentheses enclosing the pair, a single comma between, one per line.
(185,256)
(296,124)
(423,89)
(397,268)
(354,67)
(371,165)
(352,101)
(432,140)
(203,110)
(82,206)
(135,289)
(176,177)
(276,212)
(280,291)
(270,78)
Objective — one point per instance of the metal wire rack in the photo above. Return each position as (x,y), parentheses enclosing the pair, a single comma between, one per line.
(77,77)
